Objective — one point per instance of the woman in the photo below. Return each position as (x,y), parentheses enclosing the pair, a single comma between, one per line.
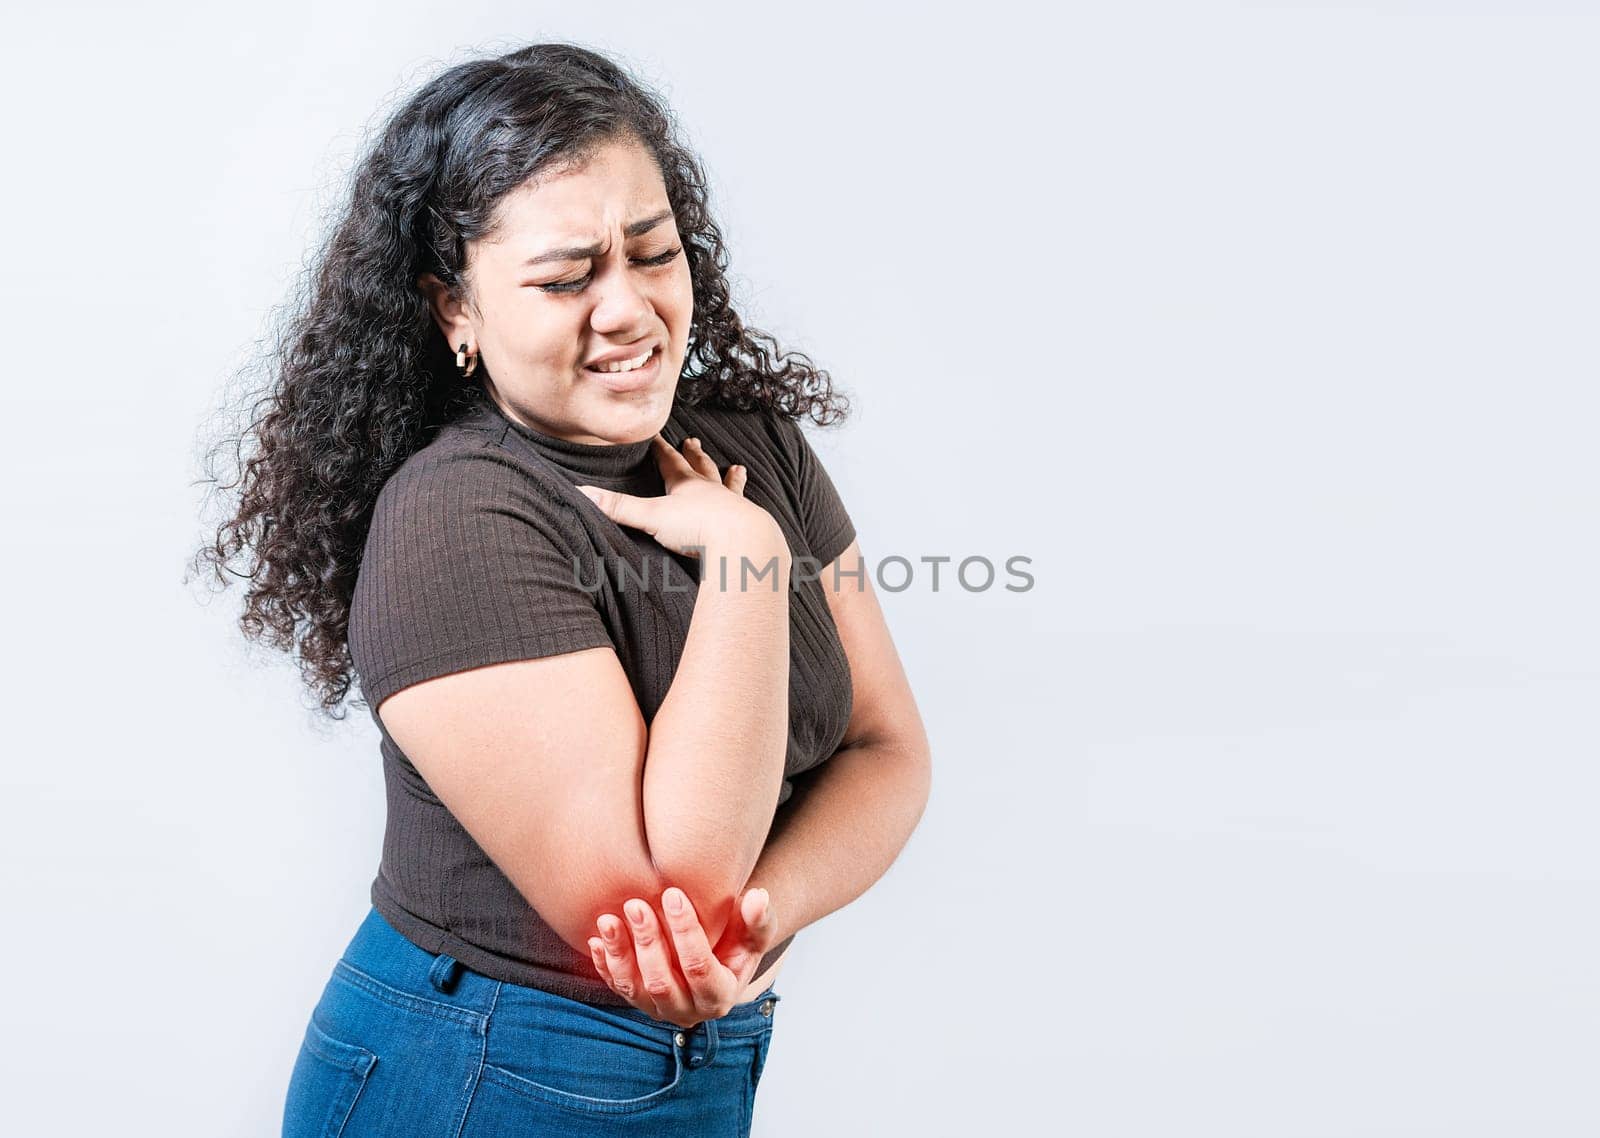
(527,473)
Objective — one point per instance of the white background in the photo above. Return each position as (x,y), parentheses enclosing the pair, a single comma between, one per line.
(1267,331)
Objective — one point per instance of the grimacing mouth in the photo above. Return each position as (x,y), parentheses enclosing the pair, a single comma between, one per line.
(604,361)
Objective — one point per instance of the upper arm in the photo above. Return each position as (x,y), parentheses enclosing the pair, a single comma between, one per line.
(883,710)
(541,762)
(489,665)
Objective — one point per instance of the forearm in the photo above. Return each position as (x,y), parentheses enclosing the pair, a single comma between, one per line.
(714,761)
(841,834)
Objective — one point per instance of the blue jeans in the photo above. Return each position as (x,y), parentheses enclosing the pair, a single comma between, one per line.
(408,1044)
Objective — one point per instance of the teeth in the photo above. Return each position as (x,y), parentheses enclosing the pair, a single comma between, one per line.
(626,365)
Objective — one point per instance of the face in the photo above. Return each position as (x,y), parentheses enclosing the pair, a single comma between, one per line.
(586,263)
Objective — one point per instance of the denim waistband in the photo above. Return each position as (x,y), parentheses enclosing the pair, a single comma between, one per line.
(381,953)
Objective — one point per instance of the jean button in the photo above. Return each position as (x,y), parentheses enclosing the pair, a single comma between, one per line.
(766,1007)
(678,1039)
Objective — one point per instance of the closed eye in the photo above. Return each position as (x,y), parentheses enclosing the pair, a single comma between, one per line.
(578,285)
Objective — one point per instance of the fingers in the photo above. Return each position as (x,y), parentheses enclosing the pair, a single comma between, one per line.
(597,953)
(756,909)
(619,959)
(757,932)
(704,465)
(655,966)
(691,982)
(674,466)
(624,509)
(675,522)
(706,975)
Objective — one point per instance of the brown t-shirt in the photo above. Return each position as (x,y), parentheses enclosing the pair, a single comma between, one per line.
(481,551)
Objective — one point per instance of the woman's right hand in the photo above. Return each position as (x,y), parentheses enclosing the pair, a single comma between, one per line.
(700,506)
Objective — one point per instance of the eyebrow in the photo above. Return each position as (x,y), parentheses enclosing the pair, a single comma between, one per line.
(580,252)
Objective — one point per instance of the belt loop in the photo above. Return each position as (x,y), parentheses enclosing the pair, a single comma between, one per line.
(443,973)
(710,1053)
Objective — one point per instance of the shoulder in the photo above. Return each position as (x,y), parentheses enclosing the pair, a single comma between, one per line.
(465,517)
(466,469)
(472,557)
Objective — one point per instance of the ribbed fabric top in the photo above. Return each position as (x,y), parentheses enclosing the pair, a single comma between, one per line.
(588,460)
(470,561)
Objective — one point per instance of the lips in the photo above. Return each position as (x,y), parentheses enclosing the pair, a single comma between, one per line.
(622,381)
(618,355)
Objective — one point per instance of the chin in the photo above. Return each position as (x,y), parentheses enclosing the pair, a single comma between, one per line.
(629,421)
(636,408)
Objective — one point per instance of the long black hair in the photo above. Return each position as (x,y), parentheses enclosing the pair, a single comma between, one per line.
(359,375)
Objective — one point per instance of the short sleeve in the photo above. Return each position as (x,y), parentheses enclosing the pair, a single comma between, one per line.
(468,562)
(828,528)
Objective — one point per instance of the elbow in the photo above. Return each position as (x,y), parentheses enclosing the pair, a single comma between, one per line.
(910,755)
(913,760)
(710,877)
(917,752)
(919,780)
(712,885)
(708,859)
(576,917)
(573,890)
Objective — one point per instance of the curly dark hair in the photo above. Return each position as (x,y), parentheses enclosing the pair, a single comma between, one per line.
(360,376)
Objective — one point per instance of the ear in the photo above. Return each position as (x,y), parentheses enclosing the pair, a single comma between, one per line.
(448,312)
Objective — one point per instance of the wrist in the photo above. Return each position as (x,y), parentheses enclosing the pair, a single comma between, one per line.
(755,553)
(753,531)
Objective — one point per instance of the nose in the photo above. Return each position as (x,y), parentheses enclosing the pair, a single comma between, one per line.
(622,305)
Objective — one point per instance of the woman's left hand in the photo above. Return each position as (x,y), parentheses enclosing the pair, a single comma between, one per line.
(706,982)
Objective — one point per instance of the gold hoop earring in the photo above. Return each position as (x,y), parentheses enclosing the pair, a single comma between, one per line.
(461,362)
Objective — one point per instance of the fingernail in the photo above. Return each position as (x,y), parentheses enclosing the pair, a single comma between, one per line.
(636,914)
(673,900)
(587,491)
